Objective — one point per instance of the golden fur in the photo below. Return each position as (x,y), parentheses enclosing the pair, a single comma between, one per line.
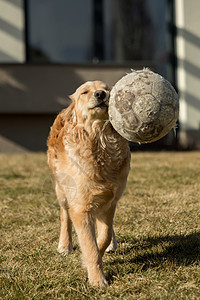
(90,162)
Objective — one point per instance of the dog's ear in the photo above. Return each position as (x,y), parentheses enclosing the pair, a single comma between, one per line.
(70,115)
(72,97)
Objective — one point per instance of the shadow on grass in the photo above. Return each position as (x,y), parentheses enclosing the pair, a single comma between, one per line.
(157,252)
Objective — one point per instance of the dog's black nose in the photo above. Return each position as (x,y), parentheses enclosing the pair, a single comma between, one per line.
(100,95)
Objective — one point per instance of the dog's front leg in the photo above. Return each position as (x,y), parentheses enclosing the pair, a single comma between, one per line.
(84,225)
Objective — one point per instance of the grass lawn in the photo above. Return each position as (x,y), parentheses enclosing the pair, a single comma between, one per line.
(157,225)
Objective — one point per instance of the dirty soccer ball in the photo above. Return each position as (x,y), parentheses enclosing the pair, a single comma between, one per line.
(143,106)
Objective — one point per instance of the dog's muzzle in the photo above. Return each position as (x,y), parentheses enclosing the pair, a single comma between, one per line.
(100,99)
(100,95)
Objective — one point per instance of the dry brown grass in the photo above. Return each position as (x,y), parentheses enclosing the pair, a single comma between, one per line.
(157,226)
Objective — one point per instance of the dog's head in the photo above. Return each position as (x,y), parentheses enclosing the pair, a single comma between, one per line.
(90,101)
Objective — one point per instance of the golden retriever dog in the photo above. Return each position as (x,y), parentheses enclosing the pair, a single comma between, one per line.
(90,163)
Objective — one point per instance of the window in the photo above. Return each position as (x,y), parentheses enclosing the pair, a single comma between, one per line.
(59,31)
(65,31)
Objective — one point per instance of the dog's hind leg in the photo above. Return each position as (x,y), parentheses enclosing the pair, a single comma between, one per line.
(105,231)
(113,244)
(65,240)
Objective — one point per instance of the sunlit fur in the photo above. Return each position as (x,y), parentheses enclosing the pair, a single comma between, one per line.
(90,162)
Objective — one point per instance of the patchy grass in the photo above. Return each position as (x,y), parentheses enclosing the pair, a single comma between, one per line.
(157,227)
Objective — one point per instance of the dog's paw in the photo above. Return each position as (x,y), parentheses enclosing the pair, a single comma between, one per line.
(112,247)
(65,250)
(100,282)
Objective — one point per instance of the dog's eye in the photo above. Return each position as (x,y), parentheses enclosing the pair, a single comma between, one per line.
(85,92)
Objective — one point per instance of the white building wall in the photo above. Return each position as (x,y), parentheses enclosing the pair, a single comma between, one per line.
(188,71)
(12,46)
